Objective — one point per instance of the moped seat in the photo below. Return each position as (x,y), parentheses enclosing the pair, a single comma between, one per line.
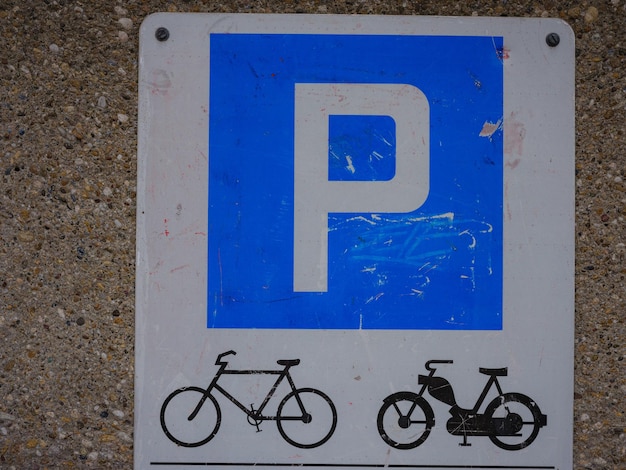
(499,372)
(288,362)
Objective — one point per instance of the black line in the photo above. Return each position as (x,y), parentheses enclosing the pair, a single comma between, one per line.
(349,465)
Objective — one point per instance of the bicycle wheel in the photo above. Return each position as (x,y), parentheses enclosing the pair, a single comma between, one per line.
(516,420)
(175,413)
(306,418)
(405,420)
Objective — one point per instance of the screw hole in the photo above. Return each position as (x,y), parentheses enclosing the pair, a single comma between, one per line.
(553,39)
(162,34)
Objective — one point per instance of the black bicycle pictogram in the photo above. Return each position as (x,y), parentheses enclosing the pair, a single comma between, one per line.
(306,417)
(511,420)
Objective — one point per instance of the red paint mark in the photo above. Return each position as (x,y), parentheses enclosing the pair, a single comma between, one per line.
(166,232)
(156,268)
(201,358)
(200,233)
(178,268)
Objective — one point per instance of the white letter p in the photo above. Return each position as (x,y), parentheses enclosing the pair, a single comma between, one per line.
(315,196)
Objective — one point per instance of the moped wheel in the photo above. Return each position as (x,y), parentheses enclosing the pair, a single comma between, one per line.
(516,420)
(175,412)
(306,418)
(405,420)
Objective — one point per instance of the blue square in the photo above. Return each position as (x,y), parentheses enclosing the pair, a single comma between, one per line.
(361,148)
(436,268)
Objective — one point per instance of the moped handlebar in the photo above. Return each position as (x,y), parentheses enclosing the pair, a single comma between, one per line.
(219,361)
(436,361)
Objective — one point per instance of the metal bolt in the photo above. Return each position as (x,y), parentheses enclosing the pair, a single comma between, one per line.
(162,34)
(553,39)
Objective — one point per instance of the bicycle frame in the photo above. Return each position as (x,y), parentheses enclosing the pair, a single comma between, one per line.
(254,414)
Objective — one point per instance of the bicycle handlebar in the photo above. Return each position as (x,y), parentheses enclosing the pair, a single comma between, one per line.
(219,361)
(436,361)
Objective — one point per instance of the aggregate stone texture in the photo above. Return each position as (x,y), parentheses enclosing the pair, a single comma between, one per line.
(68,159)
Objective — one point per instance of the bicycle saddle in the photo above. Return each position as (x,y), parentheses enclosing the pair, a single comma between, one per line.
(288,362)
(500,372)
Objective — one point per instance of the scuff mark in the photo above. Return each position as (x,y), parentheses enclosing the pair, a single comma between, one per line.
(417,292)
(363,219)
(384,141)
(425,245)
(472,245)
(477,83)
(376,155)
(374,297)
(350,166)
(445,215)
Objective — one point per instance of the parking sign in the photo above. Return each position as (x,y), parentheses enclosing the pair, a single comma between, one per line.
(354,242)
(372,200)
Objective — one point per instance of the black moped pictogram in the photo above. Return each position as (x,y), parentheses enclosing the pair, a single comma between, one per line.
(306,417)
(511,420)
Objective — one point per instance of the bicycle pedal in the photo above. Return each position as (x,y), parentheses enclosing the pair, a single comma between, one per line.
(252,420)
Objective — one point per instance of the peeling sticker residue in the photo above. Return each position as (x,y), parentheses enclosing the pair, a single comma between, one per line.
(489,128)
(502,52)
(513,164)
(160,83)
(514,134)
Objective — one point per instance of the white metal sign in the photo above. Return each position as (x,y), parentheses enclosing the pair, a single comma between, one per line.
(354,242)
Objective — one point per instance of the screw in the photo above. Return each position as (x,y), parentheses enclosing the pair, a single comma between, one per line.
(162,34)
(553,39)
